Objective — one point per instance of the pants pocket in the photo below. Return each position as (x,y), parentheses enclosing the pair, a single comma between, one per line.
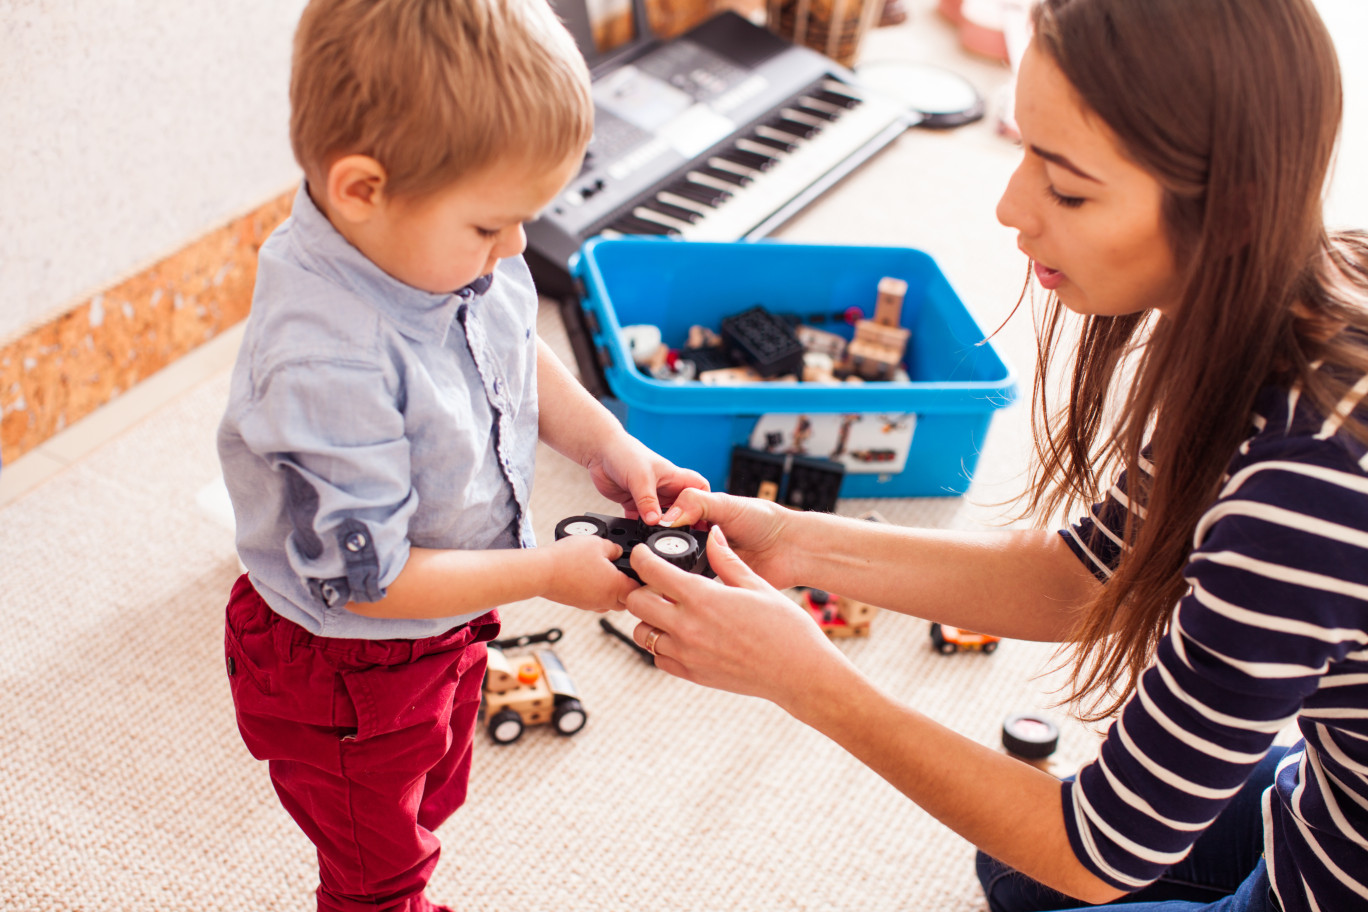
(238,657)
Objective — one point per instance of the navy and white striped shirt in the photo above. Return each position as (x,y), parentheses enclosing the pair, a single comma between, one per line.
(1274,628)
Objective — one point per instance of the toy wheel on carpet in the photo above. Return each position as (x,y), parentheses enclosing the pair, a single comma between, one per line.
(506,726)
(941,644)
(569,717)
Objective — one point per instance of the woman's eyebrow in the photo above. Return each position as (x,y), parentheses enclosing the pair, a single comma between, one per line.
(1064,163)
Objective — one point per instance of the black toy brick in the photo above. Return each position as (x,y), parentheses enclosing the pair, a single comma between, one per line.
(706,359)
(679,545)
(764,341)
(755,473)
(814,484)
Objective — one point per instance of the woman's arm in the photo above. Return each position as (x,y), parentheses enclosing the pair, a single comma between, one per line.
(1024,584)
(1009,809)
(740,634)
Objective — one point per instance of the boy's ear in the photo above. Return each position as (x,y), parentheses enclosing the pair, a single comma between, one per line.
(355,187)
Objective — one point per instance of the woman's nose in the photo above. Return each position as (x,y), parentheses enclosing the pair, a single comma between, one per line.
(1012,210)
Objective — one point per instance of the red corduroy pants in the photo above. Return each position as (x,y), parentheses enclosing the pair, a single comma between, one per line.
(367,741)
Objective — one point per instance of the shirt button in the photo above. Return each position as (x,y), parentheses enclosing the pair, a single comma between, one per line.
(498,386)
(356,541)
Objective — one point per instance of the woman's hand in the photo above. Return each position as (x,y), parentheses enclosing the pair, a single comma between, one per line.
(736,632)
(755,529)
(645,483)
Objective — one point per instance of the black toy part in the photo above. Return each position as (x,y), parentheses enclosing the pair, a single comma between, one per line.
(679,545)
(800,482)
(753,470)
(764,341)
(646,655)
(814,484)
(1028,735)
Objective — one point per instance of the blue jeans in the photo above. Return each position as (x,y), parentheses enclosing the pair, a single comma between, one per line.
(1224,872)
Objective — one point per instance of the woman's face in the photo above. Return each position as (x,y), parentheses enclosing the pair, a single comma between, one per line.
(1086,214)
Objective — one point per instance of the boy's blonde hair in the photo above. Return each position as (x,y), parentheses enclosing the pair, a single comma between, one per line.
(435,89)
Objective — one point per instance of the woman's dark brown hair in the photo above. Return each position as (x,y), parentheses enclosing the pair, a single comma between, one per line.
(1234,107)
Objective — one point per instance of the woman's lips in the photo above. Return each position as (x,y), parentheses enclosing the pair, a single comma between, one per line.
(1049,279)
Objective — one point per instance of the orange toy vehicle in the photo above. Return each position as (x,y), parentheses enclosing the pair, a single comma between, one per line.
(950,640)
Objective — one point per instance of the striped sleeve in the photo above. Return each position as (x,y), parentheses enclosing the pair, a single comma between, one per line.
(1097,539)
(1278,599)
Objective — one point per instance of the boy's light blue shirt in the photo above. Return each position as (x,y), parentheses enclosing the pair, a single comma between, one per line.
(366,417)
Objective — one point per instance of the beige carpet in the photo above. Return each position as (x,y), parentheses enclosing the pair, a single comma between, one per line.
(123,784)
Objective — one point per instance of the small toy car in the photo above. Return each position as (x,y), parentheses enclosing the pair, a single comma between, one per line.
(529,690)
(837,615)
(679,545)
(950,640)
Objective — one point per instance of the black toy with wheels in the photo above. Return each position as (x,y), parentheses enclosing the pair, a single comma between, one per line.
(679,545)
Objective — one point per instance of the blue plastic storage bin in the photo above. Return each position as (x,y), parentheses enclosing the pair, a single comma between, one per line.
(955,386)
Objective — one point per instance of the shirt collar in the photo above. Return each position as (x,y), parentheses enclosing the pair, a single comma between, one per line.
(418,314)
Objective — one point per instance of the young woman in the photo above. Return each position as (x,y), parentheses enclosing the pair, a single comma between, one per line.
(1169,196)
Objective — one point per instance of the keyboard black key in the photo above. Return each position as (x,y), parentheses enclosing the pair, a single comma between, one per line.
(630,224)
(773,142)
(840,101)
(722,174)
(675,212)
(752,160)
(708,196)
(801,130)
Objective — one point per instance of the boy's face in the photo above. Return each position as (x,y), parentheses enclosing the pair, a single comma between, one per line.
(445,240)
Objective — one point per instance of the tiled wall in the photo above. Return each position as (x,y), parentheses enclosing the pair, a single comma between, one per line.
(60,371)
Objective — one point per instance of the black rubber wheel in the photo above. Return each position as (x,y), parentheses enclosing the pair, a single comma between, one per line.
(940,643)
(506,727)
(1028,735)
(676,546)
(581,525)
(568,717)
(990,647)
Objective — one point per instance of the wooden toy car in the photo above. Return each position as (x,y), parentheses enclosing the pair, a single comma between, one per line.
(531,689)
(837,615)
(950,640)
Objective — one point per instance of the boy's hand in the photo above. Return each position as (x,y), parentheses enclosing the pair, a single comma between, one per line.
(583,574)
(642,481)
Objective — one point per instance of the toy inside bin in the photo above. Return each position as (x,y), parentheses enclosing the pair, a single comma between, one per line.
(939,416)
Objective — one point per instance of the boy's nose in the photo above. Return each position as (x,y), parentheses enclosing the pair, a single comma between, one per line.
(513,243)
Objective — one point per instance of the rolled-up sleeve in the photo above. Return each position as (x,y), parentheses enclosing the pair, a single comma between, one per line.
(335,432)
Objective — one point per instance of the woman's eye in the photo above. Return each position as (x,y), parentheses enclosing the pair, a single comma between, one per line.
(1069,202)
(487,233)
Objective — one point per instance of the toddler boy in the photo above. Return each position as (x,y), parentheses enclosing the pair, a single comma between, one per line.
(384,412)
